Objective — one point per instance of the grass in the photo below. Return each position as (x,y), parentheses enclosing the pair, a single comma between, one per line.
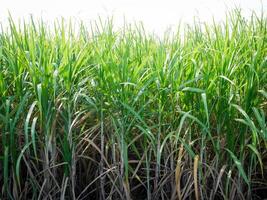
(120,114)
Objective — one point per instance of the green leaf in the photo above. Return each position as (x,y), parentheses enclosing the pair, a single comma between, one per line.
(255,151)
(192,89)
(239,166)
(19,160)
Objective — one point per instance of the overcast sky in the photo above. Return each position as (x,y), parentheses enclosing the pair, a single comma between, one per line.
(157,15)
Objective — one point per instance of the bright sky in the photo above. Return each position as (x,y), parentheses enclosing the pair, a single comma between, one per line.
(157,15)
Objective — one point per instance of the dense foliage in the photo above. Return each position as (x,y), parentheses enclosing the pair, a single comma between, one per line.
(120,114)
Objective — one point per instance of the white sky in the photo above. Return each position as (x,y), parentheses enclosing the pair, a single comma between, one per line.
(157,15)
